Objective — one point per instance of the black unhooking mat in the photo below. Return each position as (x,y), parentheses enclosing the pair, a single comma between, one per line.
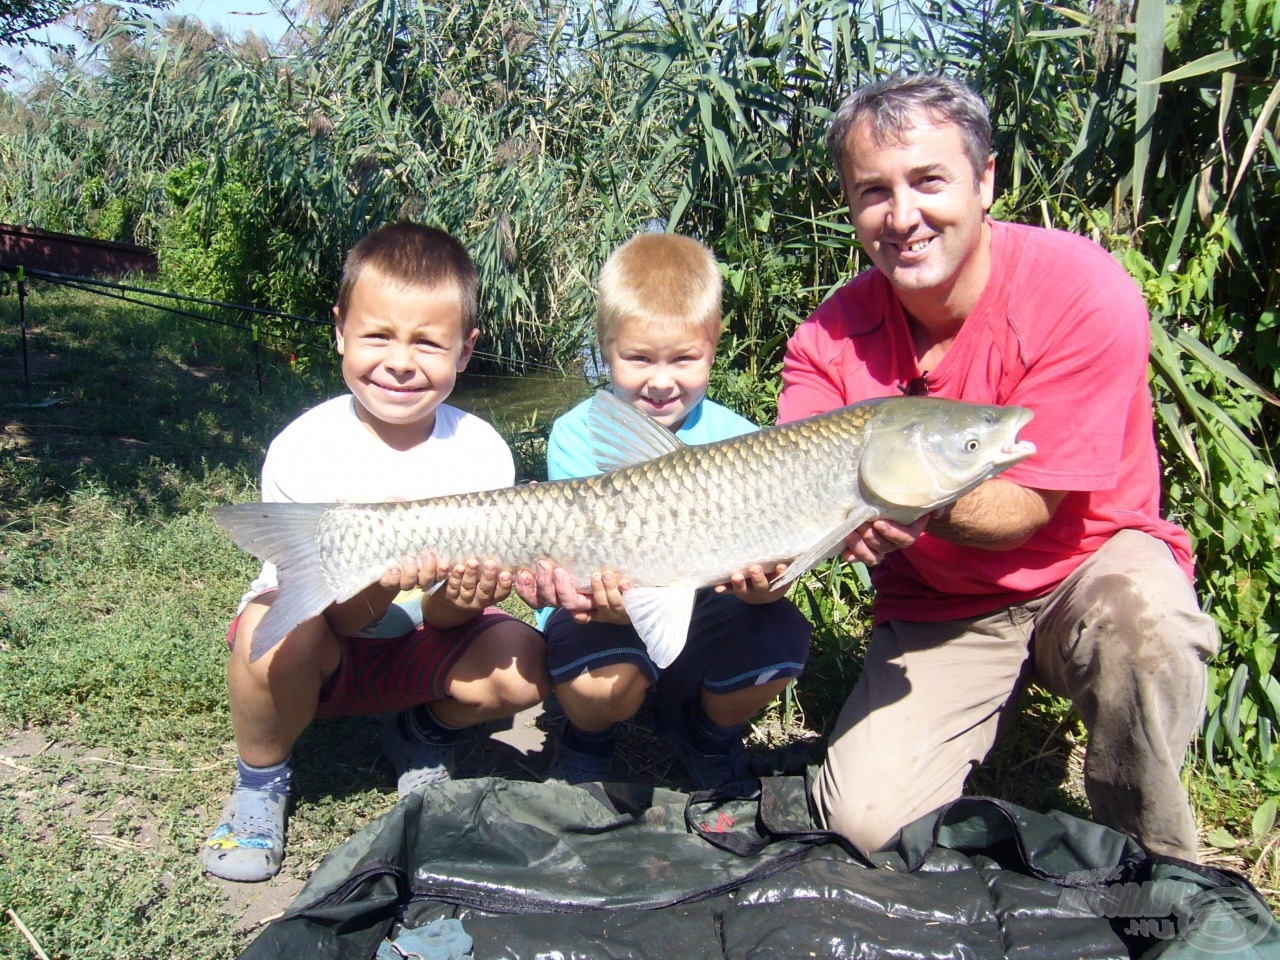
(554,871)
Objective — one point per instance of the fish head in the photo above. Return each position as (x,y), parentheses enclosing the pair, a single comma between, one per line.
(923,452)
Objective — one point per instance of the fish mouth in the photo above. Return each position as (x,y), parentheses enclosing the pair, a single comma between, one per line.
(1013,449)
(1018,450)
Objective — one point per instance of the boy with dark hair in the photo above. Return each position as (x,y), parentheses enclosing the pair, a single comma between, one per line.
(405,326)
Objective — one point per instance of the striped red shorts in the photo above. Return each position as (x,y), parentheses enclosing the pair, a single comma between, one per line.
(386,674)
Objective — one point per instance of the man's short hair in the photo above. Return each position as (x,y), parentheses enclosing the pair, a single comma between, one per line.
(891,106)
(661,280)
(411,254)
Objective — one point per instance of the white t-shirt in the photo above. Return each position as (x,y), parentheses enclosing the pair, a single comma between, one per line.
(328,455)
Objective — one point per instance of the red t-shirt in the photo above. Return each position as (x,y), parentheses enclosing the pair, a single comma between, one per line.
(1060,329)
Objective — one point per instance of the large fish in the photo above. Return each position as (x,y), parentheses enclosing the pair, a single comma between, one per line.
(668,517)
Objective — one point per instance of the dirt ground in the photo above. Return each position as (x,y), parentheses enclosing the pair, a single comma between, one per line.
(517,749)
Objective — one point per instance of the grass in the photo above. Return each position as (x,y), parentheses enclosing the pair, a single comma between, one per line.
(116,587)
(115,591)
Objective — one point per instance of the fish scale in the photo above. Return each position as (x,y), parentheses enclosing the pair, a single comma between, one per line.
(606,521)
(685,518)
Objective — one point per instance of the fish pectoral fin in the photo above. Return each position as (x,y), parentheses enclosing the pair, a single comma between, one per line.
(622,436)
(825,547)
(661,616)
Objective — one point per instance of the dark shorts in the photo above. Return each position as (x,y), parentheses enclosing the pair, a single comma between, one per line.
(732,645)
(386,674)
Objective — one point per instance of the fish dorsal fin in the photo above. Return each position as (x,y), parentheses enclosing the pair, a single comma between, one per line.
(621,435)
(825,547)
(661,616)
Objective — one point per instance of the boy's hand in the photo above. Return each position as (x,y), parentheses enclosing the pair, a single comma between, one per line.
(474,585)
(551,586)
(606,595)
(752,585)
(419,573)
(467,590)
(353,615)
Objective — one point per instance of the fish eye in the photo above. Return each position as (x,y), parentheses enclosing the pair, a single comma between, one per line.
(971,445)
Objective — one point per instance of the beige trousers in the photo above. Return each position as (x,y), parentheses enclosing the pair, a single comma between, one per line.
(1123,637)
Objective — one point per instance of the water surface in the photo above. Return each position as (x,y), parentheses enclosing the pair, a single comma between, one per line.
(518,399)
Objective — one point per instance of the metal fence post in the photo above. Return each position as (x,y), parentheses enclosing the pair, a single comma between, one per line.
(257,358)
(22,325)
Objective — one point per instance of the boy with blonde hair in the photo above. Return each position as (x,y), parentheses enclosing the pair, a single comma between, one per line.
(405,325)
(658,326)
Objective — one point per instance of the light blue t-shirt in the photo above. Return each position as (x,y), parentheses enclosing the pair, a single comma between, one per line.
(569,452)
(570,455)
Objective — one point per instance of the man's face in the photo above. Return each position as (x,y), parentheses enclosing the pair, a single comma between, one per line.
(919,208)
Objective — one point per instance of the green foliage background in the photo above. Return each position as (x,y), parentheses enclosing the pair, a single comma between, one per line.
(545,133)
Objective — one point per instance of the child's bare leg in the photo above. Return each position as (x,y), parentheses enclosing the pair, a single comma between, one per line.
(599,698)
(595,702)
(272,702)
(736,708)
(503,671)
(274,699)
(706,733)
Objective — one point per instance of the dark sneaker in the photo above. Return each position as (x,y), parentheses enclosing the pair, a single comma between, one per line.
(574,766)
(248,842)
(417,764)
(708,771)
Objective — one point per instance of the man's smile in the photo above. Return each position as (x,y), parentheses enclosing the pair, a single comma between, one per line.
(911,247)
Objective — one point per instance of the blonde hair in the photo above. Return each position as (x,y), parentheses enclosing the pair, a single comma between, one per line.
(661,280)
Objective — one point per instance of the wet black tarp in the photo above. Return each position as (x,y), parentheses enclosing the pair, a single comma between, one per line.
(552,871)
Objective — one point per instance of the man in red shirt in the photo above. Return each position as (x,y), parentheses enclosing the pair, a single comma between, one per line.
(1060,570)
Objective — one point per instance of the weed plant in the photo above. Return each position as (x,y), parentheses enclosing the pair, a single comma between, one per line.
(116,588)
(545,133)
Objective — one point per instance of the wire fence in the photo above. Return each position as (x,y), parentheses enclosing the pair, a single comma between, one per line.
(177,303)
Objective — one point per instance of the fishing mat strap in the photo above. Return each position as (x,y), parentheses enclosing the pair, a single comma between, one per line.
(779,808)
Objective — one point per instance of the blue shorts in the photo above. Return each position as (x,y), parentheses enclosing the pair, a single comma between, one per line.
(732,645)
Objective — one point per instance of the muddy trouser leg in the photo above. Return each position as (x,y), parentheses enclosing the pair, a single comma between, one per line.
(1124,638)
(923,714)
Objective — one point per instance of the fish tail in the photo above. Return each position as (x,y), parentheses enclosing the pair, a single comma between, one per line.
(284,534)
